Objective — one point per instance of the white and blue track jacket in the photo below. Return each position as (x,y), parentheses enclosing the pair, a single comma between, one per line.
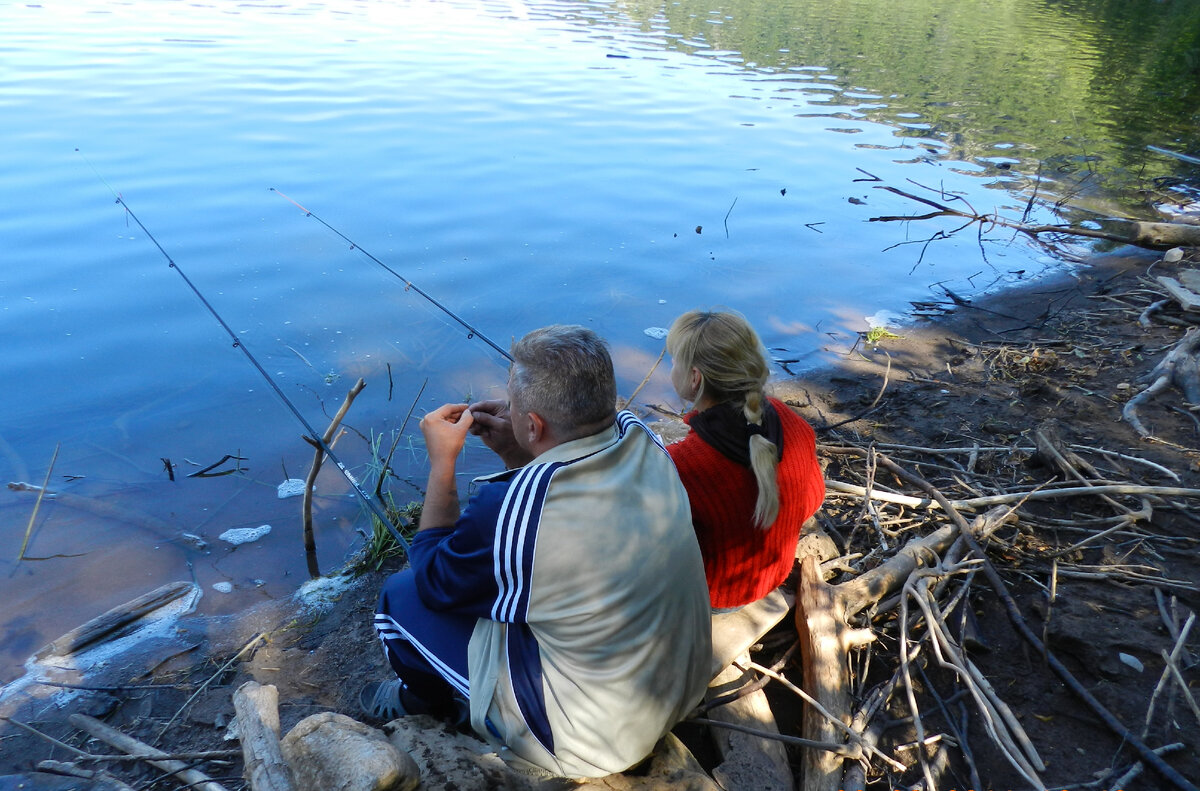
(594,631)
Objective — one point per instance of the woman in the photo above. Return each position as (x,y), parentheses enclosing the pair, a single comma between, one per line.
(749,464)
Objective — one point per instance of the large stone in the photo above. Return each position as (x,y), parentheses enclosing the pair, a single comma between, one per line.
(451,761)
(671,767)
(332,752)
(448,759)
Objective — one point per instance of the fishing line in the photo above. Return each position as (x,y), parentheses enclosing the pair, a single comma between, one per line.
(408,284)
(316,438)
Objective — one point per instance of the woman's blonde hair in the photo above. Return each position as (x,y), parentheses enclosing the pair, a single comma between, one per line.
(732,363)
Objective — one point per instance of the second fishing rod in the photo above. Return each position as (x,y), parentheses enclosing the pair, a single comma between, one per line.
(472,332)
(371,503)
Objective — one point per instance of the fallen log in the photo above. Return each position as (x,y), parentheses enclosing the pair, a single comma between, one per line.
(823,615)
(748,761)
(257,708)
(158,527)
(107,625)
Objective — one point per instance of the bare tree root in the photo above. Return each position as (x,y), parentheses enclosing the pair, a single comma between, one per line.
(1179,368)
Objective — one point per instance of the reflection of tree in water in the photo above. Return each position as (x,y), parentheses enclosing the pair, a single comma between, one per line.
(1082,85)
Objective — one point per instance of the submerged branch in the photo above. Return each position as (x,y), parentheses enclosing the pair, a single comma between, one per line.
(1155,235)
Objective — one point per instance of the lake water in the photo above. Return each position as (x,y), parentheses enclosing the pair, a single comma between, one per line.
(605,163)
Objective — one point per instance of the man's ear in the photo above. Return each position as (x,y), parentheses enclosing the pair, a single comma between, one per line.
(537,428)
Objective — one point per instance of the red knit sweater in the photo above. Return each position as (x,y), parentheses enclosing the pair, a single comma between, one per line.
(742,561)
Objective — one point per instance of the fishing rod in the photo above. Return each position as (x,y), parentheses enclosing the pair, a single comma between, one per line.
(313,436)
(408,284)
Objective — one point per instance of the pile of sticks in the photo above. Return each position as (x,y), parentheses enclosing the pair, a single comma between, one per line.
(921,532)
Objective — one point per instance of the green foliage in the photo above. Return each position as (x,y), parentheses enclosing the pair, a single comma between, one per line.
(1073,89)
(382,545)
(877,334)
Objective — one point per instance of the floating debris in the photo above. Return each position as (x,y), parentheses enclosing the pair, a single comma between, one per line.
(244,535)
(656,332)
(883,319)
(194,541)
(290,488)
(321,593)
(223,587)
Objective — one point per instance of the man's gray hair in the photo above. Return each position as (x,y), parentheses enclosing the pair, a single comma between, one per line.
(565,374)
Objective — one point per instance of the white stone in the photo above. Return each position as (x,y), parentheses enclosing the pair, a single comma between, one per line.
(1132,661)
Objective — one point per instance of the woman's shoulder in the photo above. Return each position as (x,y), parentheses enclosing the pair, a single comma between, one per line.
(797,433)
(692,450)
(787,415)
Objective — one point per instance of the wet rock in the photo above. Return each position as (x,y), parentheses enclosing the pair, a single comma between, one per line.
(451,760)
(332,752)
(448,759)
(41,781)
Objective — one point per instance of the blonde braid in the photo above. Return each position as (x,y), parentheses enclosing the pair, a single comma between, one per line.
(764,458)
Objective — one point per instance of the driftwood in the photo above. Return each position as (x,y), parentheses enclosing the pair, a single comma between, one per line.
(1022,628)
(823,620)
(1183,293)
(257,707)
(748,761)
(1179,368)
(106,625)
(1140,233)
(99,779)
(153,756)
(159,527)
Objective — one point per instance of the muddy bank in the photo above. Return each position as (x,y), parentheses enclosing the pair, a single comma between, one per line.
(985,378)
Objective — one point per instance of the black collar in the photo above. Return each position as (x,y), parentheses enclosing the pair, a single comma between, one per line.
(724,427)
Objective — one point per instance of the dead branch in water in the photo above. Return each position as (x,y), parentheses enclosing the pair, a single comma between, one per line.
(1140,233)
(310,544)
(37,504)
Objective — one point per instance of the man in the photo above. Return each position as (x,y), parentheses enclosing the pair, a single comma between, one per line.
(567,602)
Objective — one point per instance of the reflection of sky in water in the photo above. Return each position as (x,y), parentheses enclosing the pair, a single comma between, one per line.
(497,154)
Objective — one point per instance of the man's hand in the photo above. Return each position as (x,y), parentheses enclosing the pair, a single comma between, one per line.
(445,431)
(494,426)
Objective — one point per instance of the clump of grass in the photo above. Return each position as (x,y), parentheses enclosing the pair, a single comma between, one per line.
(381,545)
(877,334)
